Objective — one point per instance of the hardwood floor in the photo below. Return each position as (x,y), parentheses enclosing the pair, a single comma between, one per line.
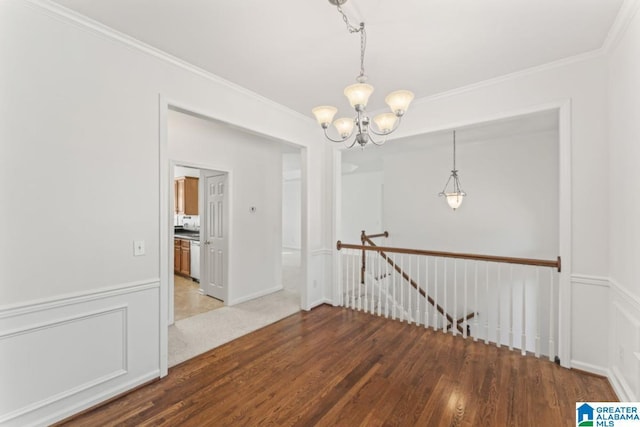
(336,367)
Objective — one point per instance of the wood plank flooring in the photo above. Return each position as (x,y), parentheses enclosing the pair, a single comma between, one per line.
(337,367)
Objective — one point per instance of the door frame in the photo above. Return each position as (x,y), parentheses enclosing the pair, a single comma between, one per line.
(171,202)
(165,208)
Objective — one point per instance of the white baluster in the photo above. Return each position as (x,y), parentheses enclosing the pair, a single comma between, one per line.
(355,278)
(409,287)
(486,317)
(498,332)
(435,294)
(523,339)
(510,306)
(444,305)
(539,304)
(394,288)
(426,291)
(551,325)
(464,312)
(417,291)
(454,311)
(386,288)
(475,304)
(401,289)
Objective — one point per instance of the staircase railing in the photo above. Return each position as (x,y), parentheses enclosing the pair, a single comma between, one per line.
(515,309)
(450,320)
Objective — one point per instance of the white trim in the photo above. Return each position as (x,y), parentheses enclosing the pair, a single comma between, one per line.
(588,367)
(255,295)
(97,399)
(620,387)
(623,19)
(123,369)
(590,280)
(624,292)
(512,76)
(565,228)
(321,251)
(76,298)
(319,302)
(97,28)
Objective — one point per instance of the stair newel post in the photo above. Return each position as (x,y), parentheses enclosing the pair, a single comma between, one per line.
(363,239)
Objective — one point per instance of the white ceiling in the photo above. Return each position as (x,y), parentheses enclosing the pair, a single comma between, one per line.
(299,53)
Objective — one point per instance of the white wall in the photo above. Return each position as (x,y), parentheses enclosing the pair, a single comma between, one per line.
(255,176)
(511,207)
(291,200)
(361,205)
(624,224)
(80,112)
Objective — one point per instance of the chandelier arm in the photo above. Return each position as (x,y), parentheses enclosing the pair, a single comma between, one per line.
(326,134)
(349,146)
(395,126)
(378,143)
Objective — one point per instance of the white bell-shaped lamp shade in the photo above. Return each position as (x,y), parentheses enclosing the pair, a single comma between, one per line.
(324,114)
(344,126)
(454,199)
(399,101)
(385,122)
(358,94)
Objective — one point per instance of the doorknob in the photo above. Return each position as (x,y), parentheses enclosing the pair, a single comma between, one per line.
(207,242)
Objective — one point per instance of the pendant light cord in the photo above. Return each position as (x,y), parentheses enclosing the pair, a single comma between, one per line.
(454,150)
(363,40)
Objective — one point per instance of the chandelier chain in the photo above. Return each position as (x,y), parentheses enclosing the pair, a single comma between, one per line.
(363,36)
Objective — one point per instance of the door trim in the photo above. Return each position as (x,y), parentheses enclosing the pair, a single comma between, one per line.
(166,226)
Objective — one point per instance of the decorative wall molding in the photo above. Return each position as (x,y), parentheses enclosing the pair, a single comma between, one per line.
(625,293)
(590,280)
(74,351)
(42,327)
(20,309)
(81,21)
(321,251)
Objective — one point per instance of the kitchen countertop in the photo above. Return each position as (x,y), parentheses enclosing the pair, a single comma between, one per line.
(187,236)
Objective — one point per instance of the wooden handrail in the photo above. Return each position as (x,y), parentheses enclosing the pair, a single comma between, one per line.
(373,236)
(490,258)
(451,321)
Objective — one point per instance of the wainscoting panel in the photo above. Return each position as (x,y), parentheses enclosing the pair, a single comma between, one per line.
(590,314)
(60,356)
(625,346)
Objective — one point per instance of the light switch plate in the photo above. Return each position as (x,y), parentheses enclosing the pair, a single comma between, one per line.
(138,247)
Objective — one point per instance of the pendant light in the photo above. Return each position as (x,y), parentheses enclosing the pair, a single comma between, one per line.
(454,194)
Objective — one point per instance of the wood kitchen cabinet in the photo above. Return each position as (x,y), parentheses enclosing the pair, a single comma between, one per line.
(182,257)
(185,191)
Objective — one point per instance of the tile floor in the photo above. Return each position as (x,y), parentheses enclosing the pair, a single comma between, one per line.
(188,301)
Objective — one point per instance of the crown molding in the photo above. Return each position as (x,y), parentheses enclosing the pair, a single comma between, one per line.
(623,19)
(513,76)
(83,22)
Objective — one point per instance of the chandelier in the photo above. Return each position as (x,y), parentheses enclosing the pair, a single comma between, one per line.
(455,194)
(358,96)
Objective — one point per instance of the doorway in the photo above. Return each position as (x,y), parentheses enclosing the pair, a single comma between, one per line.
(199,220)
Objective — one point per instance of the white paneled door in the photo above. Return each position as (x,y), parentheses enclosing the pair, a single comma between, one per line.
(215,236)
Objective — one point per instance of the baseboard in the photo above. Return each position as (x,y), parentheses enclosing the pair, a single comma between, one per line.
(98,400)
(255,295)
(588,367)
(319,302)
(620,387)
